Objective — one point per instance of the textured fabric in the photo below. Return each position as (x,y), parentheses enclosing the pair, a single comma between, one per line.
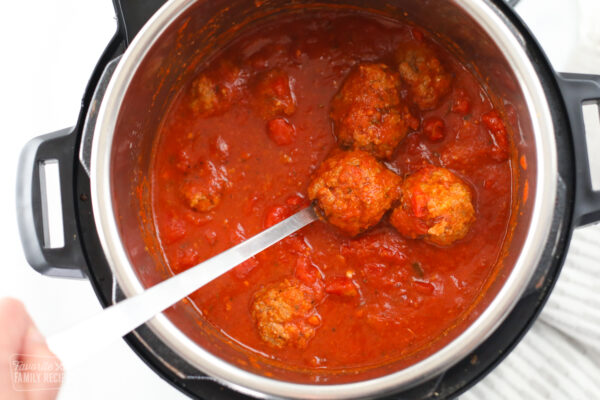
(574,306)
(560,356)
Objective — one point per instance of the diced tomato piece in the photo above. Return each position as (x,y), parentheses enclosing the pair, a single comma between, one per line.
(186,257)
(433,128)
(281,131)
(392,256)
(423,287)
(461,104)
(341,285)
(172,230)
(499,154)
(275,215)
(295,200)
(376,248)
(493,122)
(296,244)
(417,34)
(306,272)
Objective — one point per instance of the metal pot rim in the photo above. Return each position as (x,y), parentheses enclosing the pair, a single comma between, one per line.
(510,43)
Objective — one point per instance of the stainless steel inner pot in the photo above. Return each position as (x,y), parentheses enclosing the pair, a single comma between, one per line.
(164,53)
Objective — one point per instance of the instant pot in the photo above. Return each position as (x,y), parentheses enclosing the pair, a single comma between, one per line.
(103,158)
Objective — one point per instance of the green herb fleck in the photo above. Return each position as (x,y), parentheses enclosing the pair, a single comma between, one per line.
(418,268)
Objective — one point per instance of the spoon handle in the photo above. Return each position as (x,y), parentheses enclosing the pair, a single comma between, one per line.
(78,343)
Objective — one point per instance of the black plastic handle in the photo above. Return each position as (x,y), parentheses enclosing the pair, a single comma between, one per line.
(576,90)
(133,14)
(66,261)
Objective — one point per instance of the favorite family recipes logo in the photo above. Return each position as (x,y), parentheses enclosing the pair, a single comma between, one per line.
(35,373)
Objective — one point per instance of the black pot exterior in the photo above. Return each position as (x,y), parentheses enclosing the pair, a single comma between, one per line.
(456,380)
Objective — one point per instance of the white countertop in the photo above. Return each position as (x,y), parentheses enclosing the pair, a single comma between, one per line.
(49,49)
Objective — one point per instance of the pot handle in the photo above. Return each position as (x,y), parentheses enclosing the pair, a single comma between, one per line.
(34,216)
(133,14)
(578,89)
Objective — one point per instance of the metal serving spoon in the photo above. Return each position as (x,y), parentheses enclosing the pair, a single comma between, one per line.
(119,319)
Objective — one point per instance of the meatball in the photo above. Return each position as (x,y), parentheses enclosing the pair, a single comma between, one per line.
(285,314)
(215,90)
(203,188)
(425,75)
(435,205)
(273,94)
(353,190)
(367,112)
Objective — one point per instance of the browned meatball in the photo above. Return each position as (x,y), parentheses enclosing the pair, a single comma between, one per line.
(353,190)
(425,75)
(203,188)
(285,314)
(367,112)
(214,91)
(435,205)
(273,94)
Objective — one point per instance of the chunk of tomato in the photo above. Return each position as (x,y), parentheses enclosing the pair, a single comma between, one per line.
(281,131)
(495,125)
(275,215)
(433,128)
(461,104)
(423,287)
(341,285)
(306,272)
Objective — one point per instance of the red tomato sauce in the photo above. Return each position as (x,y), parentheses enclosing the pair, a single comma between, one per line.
(386,297)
